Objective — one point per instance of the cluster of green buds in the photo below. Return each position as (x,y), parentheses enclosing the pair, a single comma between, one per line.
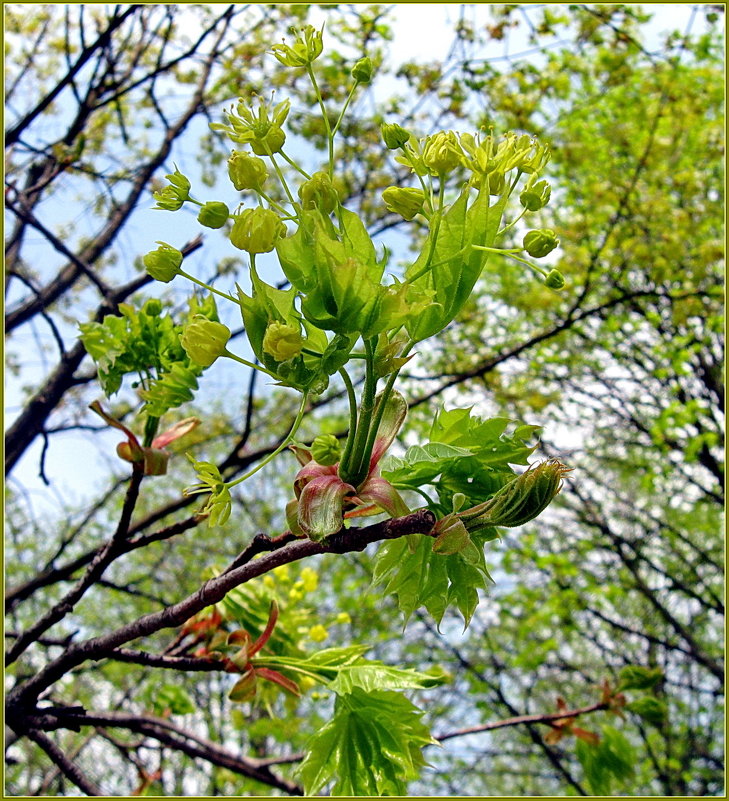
(304,335)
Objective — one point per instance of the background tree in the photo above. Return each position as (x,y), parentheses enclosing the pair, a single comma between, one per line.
(625,365)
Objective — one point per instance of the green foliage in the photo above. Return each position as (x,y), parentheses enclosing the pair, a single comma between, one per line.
(146,343)
(371,746)
(609,762)
(636,677)
(169,699)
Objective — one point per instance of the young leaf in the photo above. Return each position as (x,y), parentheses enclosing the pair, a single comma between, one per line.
(372,746)
(636,677)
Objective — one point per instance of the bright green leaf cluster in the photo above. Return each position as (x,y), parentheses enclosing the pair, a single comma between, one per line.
(146,343)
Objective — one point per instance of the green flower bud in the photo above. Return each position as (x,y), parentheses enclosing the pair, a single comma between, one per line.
(271,142)
(153,307)
(535,195)
(442,153)
(204,340)
(394,135)
(282,341)
(213,214)
(497,182)
(319,193)
(164,263)
(326,450)
(246,171)
(257,230)
(404,201)
(540,242)
(172,197)
(521,500)
(554,280)
(362,70)
(306,48)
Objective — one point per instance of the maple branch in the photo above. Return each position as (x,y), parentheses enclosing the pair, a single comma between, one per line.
(518,720)
(62,762)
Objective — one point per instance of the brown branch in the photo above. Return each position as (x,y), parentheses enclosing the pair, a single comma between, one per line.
(96,569)
(174,736)
(102,241)
(520,720)
(214,590)
(161,661)
(64,764)
(13,134)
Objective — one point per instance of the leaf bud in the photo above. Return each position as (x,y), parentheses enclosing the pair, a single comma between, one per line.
(307,47)
(362,70)
(442,152)
(246,171)
(153,307)
(535,195)
(554,280)
(519,501)
(282,341)
(257,230)
(406,202)
(213,214)
(319,193)
(164,263)
(326,450)
(540,242)
(204,340)
(394,135)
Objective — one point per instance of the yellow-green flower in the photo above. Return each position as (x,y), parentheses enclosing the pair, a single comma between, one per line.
(394,135)
(310,579)
(246,171)
(540,242)
(282,341)
(164,263)
(257,230)
(213,214)
(204,340)
(319,193)
(405,201)
(442,153)
(305,50)
(318,633)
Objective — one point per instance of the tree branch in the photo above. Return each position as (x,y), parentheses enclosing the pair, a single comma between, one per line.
(214,590)
(64,764)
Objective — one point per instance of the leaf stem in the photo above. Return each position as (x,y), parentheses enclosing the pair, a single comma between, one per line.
(207,286)
(253,366)
(344,462)
(284,443)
